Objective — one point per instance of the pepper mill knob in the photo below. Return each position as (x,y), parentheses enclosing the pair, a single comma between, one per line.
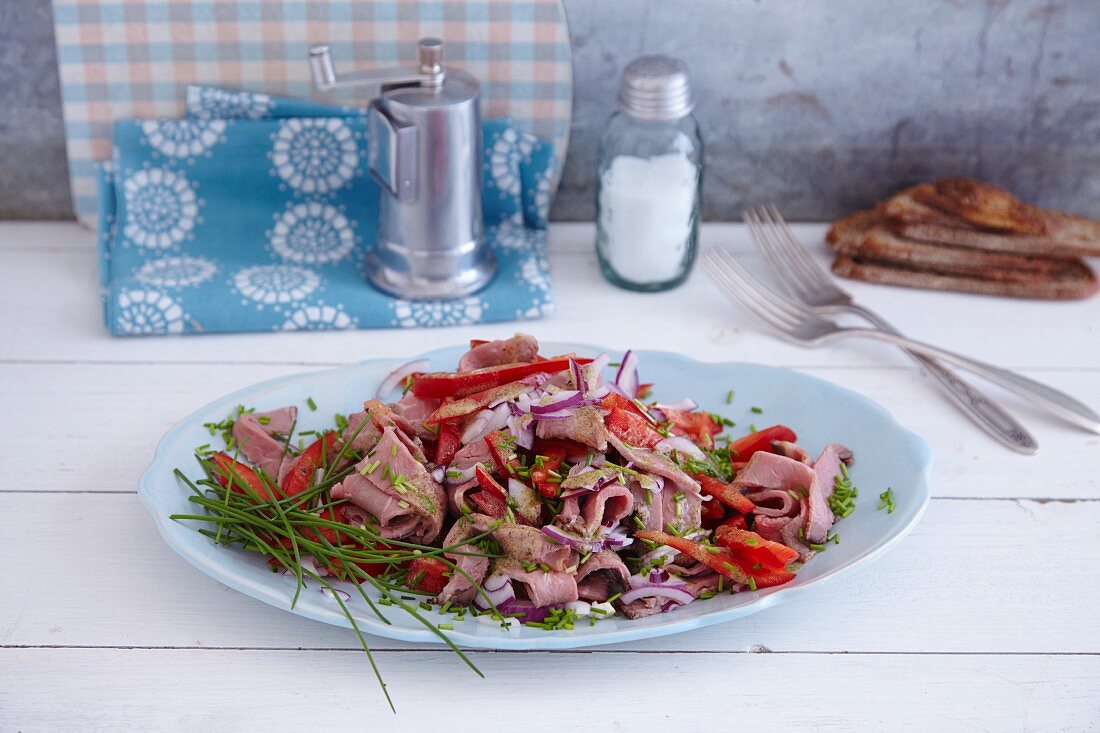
(430,54)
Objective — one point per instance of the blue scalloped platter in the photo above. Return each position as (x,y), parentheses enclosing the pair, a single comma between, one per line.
(820,412)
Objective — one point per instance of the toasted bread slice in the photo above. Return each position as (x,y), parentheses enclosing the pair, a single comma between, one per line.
(1022,244)
(1077,281)
(904,206)
(983,205)
(866,236)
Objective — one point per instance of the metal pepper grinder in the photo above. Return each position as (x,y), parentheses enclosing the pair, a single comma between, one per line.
(424,149)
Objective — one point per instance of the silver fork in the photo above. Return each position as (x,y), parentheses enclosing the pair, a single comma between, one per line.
(794,323)
(802,278)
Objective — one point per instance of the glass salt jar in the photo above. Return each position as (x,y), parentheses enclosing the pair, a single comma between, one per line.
(650,174)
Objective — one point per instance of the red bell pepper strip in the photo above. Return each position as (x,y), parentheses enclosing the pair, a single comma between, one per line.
(719,559)
(737,521)
(572,451)
(632,428)
(764,560)
(553,455)
(448,442)
(488,483)
(724,493)
(755,548)
(299,476)
(234,473)
(489,504)
(743,448)
(427,574)
(461,384)
(712,514)
(478,401)
(614,399)
(502,449)
(700,427)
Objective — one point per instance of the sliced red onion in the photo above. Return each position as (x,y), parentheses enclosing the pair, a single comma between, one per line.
(500,592)
(656,578)
(577,372)
(484,423)
(681,444)
(462,477)
(522,427)
(581,544)
(308,562)
(496,581)
(529,611)
(685,405)
(439,474)
(682,597)
(596,367)
(600,392)
(398,375)
(626,378)
(563,415)
(561,401)
(334,592)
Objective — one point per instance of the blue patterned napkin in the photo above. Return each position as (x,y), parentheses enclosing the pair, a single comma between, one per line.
(254,213)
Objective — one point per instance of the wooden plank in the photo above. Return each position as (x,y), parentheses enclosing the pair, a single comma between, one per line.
(93,427)
(51,313)
(286,690)
(90,570)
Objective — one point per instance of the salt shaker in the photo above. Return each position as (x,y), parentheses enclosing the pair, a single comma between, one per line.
(650,174)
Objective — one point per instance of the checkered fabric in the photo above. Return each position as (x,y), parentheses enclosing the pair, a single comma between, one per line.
(135,58)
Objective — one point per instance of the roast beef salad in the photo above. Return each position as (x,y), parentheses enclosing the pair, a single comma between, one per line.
(522,488)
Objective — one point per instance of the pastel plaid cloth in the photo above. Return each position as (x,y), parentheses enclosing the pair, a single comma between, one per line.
(122,59)
(218,222)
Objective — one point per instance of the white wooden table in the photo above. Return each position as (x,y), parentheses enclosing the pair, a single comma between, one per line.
(984,618)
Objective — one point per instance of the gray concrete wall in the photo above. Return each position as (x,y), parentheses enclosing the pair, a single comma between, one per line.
(821,106)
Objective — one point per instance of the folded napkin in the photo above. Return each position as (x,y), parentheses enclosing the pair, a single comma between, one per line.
(254,213)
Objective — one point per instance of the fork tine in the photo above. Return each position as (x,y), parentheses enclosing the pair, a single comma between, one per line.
(810,266)
(802,282)
(721,277)
(752,220)
(761,296)
(764,298)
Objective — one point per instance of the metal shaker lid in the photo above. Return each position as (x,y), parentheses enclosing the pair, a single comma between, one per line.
(656,88)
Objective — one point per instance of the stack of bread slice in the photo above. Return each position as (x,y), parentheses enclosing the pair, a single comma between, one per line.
(966,235)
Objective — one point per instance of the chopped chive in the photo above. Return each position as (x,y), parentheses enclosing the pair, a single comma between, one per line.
(311,403)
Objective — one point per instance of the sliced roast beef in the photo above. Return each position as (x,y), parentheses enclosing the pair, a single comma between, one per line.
(399,492)
(650,605)
(461,479)
(656,463)
(587,513)
(414,411)
(819,517)
(789,531)
(363,438)
(601,576)
(648,506)
(462,586)
(257,434)
(773,503)
(540,587)
(791,450)
(521,348)
(529,545)
(585,426)
(773,471)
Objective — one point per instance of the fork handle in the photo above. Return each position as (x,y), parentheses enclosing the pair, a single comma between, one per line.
(1056,402)
(987,414)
